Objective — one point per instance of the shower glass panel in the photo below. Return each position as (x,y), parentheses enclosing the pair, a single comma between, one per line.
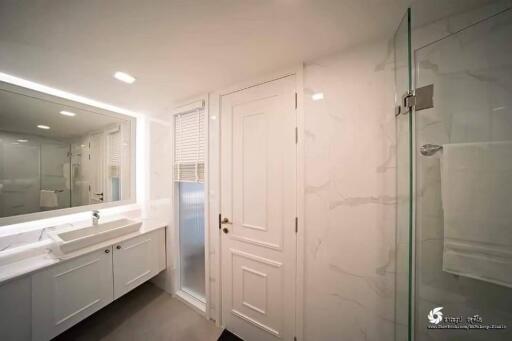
(403,83)
(463,208)
(191,238)
(56,175)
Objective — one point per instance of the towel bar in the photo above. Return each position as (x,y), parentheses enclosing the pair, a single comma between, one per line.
(430,149)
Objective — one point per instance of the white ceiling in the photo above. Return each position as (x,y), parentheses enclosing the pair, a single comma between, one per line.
(177,49)
(22,114)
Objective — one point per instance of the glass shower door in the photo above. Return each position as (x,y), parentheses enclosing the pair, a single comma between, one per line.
(463,180)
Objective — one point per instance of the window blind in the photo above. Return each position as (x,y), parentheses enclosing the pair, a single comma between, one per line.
(115,148)
(190,147)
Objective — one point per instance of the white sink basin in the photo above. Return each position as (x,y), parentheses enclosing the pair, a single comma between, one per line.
(69,241)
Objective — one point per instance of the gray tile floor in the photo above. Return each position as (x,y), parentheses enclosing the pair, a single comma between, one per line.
(146,313)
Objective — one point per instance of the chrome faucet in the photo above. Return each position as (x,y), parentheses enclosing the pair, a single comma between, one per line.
(95,217)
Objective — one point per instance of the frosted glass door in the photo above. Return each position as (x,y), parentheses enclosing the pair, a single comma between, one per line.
(191,234)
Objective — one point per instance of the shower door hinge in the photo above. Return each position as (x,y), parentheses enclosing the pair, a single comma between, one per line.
(296,224)
(420,99)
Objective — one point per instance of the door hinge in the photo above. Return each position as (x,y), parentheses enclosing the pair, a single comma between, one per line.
(296,100)
(220,223)
(296,224)
(420,99)
(296,135)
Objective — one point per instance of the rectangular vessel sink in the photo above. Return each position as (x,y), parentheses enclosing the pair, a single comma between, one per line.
(73,240)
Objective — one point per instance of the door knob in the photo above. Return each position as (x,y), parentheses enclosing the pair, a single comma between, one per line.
(225,230)
(225,221)
(118,247)
(107,251)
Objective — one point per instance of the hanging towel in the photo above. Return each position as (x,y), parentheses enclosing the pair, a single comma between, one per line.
(476,189)
(48,199)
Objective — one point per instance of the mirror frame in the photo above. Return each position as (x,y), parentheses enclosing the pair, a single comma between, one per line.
(25,91)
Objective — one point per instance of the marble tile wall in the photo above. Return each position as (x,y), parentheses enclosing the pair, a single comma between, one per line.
(350,198)
(159,193)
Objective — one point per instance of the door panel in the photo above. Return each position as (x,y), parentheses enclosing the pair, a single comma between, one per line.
(258,154)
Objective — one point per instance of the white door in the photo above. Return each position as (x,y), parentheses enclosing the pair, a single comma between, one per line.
(97,168)
(66,293)
(137,260)
(258,201)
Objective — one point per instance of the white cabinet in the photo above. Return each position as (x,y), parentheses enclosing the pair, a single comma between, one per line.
(137,260)
(66,293)
(15,308)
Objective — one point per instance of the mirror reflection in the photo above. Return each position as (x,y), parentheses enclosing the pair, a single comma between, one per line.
(55,156)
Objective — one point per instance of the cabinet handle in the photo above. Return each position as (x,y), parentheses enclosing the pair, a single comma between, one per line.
(118,247)
(107,251)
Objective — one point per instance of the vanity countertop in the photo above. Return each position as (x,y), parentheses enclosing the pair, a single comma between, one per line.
(46,258)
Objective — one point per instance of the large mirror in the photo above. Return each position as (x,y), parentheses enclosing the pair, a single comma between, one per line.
(57,154)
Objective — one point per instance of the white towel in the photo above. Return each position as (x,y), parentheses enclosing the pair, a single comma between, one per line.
(476,187)
(48,199)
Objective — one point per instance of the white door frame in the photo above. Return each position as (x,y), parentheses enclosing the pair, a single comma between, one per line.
(201,308)
(215,189)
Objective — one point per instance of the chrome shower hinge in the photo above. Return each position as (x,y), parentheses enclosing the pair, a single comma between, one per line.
(420,99)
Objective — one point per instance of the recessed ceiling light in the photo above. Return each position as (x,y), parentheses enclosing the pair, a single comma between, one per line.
(67,113)
(124,77)
(22,140)
(42,126)
(317,96)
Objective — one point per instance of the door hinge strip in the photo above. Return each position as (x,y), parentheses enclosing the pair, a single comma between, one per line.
(220,222)
(296,224)
(296,101)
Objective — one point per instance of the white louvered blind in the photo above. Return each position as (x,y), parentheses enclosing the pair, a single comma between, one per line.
(190,147)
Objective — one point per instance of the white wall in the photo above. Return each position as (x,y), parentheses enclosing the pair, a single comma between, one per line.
(350,196)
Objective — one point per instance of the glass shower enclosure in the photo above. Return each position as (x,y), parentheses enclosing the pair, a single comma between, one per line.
(453,79)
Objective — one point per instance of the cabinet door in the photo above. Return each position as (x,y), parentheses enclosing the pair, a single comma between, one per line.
(15,308)
(68,292)
(137,260)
